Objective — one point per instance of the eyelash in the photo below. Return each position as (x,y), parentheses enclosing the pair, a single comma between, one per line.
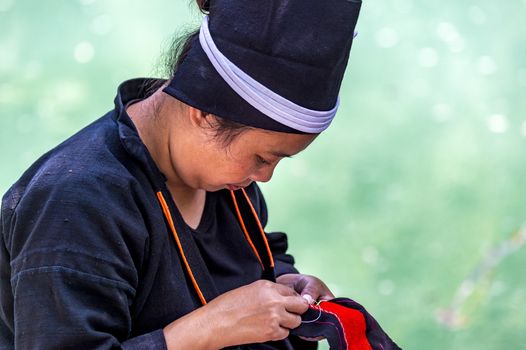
(262,161)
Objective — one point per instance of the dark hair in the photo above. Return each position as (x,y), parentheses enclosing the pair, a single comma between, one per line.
(225,131)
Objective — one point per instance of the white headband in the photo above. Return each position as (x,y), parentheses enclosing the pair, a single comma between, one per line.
(260,97)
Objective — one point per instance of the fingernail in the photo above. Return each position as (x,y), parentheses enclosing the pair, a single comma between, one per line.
(309,299)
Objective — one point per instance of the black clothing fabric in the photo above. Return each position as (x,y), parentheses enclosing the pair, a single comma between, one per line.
(86,258)
(346,325)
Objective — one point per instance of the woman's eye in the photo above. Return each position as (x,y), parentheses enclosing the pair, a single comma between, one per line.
(261,160)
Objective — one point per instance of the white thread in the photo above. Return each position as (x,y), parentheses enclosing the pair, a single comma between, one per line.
(319,308)
(316,319)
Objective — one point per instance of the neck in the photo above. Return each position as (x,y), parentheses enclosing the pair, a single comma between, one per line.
(154,119)
(159,120)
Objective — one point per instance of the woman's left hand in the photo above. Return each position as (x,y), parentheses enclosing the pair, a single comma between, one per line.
(309,287)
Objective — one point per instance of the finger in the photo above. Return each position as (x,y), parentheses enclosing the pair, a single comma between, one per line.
(313,289)
(327,297)
(287,279)
(281,334)
(300,282)
(290,321)
(309,299)
(296,305)
(317,290)
(285,290)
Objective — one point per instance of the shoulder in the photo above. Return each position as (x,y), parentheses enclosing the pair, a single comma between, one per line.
(90,162)
(82,189)
(86,206)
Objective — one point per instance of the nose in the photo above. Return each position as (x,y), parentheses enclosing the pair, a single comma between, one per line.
(264,174)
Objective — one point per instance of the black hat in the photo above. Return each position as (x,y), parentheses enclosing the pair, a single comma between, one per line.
(272,64)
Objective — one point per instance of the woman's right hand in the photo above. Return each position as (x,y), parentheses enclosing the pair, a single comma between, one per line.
(258,312)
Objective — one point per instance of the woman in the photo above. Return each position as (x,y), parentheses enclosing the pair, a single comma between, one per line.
(145,229)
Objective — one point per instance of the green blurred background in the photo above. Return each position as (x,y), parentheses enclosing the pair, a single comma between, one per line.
(410,203)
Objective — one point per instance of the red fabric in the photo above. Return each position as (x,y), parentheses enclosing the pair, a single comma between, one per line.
(353,324)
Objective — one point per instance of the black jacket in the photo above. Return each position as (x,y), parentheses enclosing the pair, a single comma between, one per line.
(86,258)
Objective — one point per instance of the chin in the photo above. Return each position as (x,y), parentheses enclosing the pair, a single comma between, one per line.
(215,188)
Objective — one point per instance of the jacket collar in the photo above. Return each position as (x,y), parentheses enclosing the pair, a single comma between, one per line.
(130,90)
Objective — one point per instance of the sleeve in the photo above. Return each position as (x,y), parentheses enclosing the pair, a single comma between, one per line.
(278,242)
(76,250)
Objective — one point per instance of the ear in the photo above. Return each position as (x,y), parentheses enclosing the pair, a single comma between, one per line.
(199,118)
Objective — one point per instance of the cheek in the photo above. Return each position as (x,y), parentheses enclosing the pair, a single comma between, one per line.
(220,167)
(237,171)
(234,170)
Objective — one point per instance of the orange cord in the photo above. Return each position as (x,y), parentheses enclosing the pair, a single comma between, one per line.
(168,216)
(263,235)
(245,229)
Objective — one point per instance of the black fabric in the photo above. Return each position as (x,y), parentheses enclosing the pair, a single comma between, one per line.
(86,258)
(297,48)
(330,326)
(253,229)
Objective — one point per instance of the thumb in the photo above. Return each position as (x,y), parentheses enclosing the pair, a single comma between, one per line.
(309,299)
(310,292)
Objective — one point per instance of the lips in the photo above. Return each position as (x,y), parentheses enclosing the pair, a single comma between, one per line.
(237,187)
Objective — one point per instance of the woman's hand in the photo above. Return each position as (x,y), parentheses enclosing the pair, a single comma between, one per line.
(259,312)
(311,288)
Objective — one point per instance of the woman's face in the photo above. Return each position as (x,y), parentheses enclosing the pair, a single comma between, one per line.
(252,156)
